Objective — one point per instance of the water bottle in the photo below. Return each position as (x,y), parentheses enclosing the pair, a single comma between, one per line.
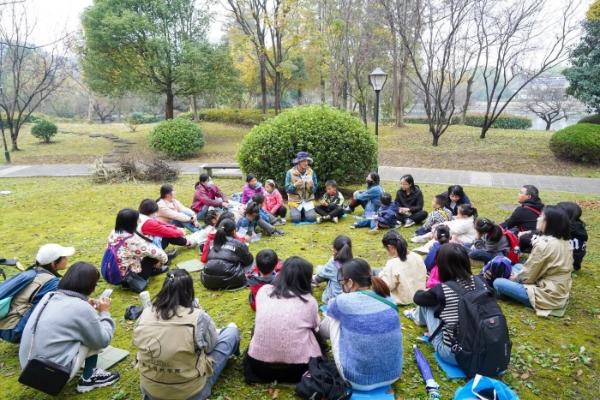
(145,299)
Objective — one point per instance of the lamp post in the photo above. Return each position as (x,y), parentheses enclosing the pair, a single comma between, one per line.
(6,153)
(377,79)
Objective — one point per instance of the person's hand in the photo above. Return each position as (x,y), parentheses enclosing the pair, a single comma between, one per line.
(513,277)
(182,231)
(523,233)
(103,304)
(488,275)
(404,210)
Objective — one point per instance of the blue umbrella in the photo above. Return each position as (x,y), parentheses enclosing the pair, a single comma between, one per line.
(432,387)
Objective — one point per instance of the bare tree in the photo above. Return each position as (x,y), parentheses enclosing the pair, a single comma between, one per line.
(511,37)
(440,58)
(549,103)
(28,73)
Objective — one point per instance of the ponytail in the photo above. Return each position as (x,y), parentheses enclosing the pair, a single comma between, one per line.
(343,249)
(360,272)
(468,210)
(442,234)
(380,287)
(226,229)
(393,238)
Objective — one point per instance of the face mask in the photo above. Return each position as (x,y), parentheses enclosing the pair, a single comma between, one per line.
(209,184)
(369,183)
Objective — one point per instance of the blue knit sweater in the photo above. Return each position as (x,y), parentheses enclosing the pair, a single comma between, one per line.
(370,339)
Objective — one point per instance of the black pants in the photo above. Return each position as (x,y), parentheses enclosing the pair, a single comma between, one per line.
(148,268)
(355,203)
(418,217)
(281,212)
(331,211)
(256,371)
(178,241)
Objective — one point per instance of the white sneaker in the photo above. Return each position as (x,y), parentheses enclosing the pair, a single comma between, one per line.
(335,220)
(319,219)
(232,325)
(99,378)
(420,239)
(411,314)
(409,222)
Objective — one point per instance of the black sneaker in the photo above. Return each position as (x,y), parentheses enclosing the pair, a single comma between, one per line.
(100,378)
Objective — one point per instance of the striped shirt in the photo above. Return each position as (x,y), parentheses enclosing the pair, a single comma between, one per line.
(449,314)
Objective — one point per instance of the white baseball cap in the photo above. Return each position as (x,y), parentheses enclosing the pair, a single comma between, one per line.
(51,252)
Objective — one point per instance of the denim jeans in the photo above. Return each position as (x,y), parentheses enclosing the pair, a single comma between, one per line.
(483,256)
(512,289)
(424,316)
(227,344)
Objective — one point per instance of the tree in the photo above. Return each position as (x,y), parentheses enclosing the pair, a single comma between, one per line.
(584,75)
(549,103)
(28,73)
(519,44)
(141,46)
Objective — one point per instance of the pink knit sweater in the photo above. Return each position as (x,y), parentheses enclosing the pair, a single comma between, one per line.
(283,331)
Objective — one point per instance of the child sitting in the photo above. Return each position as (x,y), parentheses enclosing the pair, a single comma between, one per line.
(442,236)
(247,225)
(386,217)
(331,206)
(438,215)
(342,252)
(273,201)
(212,231)
(490,242)
(267,267)
(251,188)
(462,227)
(579,234)
(259,199)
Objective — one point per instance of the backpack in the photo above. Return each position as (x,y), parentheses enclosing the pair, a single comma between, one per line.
(12,287)
(498,267)
(109,268)
(322,381)
(481,342)
(513,242)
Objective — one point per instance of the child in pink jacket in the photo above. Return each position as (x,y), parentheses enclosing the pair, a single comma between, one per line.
(273,201)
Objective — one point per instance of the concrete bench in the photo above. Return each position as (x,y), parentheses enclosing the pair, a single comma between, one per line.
(209,167)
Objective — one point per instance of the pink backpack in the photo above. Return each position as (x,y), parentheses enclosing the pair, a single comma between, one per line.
(434,278)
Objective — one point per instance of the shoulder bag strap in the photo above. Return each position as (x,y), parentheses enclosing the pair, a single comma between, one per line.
(533,210)
(37,318)
(378,297)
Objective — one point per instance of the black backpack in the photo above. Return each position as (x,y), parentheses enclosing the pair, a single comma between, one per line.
(481,342)
(322,381)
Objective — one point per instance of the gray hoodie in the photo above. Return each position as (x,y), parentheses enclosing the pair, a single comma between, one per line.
(66,323)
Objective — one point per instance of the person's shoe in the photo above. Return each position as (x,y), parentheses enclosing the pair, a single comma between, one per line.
(420,239)
(374,231)
(408,223)
(278,233)
(411,314)
(335,220)
(327,217)
(283,221)
(232,325)
(319,219)
(99,378)
(352,226)
(348,210)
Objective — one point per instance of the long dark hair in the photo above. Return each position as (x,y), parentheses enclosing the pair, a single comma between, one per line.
(202,179)
(165,190)
(410,180)
(81,278)
(343,249)
(456,190)
(294,279)
(488,227)
(148,207)
(442,234)
(557,222)
(453,262)
(127,220)
(177,290)
(393,238)
(360,272)
(225,229)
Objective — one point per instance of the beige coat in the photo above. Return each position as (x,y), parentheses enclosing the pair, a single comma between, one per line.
(404,278)
(547,274)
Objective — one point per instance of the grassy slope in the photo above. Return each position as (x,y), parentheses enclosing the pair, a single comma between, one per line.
(546,359)
(460,148)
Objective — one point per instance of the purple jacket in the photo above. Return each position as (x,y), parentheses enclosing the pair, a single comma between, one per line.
(249,192)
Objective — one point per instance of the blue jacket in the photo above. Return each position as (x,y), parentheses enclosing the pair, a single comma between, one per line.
(432,255)
(388,215)
(372,196)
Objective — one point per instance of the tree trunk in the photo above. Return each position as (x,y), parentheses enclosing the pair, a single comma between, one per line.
(484,130)
(402,91)
(13,139)
(90,116)
(548,124)
(263,83)
(322,89)
(277,89)
(169,104)
(395,84)
(362,107)
(467,100)
(345,95)
(194,105)
(436,139)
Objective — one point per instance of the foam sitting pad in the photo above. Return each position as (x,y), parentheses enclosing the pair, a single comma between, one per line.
(193,265)
(451,371)
(110,356)
(382,393)
(323,308)
(304,223)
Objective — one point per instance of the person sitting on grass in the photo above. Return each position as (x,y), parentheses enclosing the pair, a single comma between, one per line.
(284,336)
(579,235)
(135,255)
(409,199)
(331,206)
(247,225)
(210,238)
(171,211)
(269,218)
(207,195)
(162,234)
(228,260)
(455,197)
(441,236)
(72,328)
(342,252)
(385,217)
(188,367)
(44,278)
(263,273)
(364,328)
(301,186)
(544,281)
(274,201)
(439,215)
(404,273)
(462,227)
(490,242)
(369,199)
(523,220)
(251,188)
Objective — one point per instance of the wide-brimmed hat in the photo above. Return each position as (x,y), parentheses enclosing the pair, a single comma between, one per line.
(301,156)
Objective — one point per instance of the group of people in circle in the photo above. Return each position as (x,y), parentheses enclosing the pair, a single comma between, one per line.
(361,301)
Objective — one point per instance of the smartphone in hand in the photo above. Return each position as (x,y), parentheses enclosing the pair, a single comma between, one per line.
(106,294)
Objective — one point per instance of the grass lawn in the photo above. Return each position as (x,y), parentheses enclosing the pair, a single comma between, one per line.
(552,358)
(460,148)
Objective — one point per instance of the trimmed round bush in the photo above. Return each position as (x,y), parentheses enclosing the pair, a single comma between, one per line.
(341,146)
(590,119)
(177,138)
(44,130)
(579,142)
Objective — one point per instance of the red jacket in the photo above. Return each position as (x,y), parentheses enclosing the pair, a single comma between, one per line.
(205,196)
(209,242)
(256,281)
(153,227)
(273,201)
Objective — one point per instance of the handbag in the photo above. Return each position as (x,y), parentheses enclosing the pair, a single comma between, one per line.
(135,282)
(41,374)
(323,381)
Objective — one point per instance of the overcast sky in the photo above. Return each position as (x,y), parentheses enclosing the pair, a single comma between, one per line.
(55,17)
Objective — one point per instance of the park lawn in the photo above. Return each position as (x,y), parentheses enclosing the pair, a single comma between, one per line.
(552,357)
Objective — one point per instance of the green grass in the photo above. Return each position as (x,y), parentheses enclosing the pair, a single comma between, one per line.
(503,150)
(547,360)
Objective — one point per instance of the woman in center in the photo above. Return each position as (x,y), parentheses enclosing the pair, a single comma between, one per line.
(364,328)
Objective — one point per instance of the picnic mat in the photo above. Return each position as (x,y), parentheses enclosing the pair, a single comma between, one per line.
(110,356)
(303,223)
(382,393)
(193,265)
(451,371)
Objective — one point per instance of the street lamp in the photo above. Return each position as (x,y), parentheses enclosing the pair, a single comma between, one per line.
(377,79)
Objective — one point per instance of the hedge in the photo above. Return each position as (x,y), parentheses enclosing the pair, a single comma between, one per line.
(590,119)
(177,138)
(504,121)
(341,146)
(579,143)
(240,116)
